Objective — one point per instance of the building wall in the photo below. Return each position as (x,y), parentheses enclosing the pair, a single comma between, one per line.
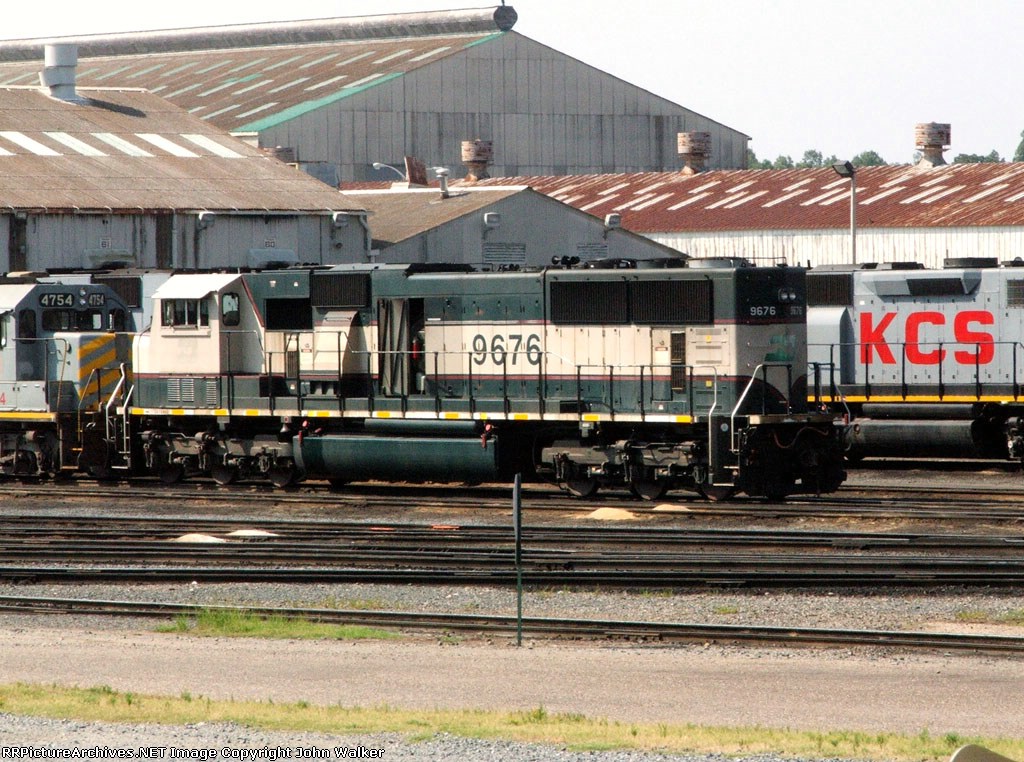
(546,113)
(930,246)
(532,231)
(90,241)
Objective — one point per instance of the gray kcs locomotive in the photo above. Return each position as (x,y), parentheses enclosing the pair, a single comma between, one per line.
(924,362)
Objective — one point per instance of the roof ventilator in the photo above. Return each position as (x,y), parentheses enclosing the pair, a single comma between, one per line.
(476,157)
(60,62)
(931,140)
(694,148)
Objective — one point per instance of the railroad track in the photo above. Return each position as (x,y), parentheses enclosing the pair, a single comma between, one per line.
(73,549)
(497,570)
(660,632)
(974,503)
(25,533)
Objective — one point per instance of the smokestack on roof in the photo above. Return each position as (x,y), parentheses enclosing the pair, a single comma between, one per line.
(476,157)
(931,140)
(694,148)
(60,62)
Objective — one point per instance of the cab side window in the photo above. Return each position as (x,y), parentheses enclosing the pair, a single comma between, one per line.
(229,312)
(118,323)
(179,313)
(26,324)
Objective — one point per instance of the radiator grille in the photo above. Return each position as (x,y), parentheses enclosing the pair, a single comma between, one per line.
(831,290)
(672,301)
(350,290)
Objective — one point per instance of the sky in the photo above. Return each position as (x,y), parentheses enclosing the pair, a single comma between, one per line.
(836,76)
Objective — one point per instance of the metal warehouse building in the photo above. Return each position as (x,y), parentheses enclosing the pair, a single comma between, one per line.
(338,95)
(903,213)
(493,227)
(95,178)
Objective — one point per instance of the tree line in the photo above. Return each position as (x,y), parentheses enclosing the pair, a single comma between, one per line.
(813,158)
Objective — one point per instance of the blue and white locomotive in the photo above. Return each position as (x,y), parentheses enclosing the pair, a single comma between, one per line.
(647,379)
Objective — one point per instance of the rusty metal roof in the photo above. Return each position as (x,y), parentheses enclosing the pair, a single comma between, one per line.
(953,195)
(397,215)
(251,77)
(128,149)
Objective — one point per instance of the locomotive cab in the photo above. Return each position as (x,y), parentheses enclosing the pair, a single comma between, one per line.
(62,348)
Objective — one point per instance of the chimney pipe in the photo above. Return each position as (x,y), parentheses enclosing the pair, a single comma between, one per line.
(60,61)
(931,140)
(476,157)
(694,149)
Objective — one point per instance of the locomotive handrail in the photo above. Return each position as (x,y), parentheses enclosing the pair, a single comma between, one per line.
(938,351)
(763,367)
(431,372)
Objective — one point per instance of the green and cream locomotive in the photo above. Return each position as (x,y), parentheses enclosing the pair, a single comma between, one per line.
(647,379)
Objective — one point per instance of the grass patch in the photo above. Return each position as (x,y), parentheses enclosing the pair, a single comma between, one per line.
(239,624)
(726,610)
(977,616)
(571,731)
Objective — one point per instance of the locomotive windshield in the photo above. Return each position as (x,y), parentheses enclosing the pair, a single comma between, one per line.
(72,320)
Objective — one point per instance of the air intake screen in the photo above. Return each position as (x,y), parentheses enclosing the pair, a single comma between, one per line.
(1015,293)
(598,302)
(339,290)
(671,301)
(129,289)
(833,290)
(935,286)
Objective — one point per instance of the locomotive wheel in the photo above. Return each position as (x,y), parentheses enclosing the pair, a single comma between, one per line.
(649,490)
(337,484)
(172,473)
(224,475)
(99,473)
(282,476)
(777,491)
(582,487)
(715,493)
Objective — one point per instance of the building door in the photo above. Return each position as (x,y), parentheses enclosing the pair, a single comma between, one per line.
(17,244)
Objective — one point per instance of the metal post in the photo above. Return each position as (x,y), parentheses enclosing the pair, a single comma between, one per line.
(846,169)
(853,218)
(517,523)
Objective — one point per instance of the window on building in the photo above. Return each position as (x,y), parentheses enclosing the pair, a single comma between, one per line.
(185,312)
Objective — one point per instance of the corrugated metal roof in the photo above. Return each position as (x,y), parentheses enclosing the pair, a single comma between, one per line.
(251,88)
(795,199)
(397,215)
(128,149)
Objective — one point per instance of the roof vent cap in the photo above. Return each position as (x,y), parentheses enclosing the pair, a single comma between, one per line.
(931,140)
(60,62)
(694,148)
(476,157)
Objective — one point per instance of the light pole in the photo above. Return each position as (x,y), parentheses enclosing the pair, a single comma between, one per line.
(846,169)
(379,165)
